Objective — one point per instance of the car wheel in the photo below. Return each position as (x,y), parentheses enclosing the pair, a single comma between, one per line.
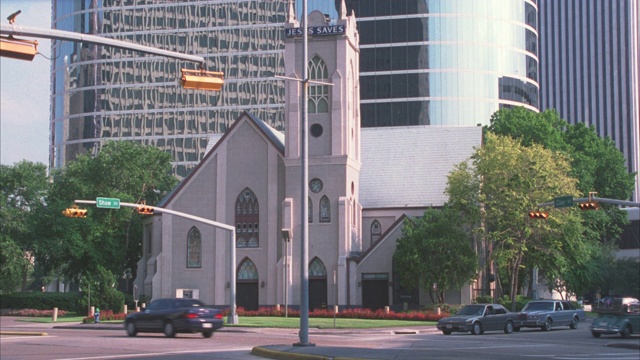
(508,327)
(207,334)
(130,327)
(476,329)
(446,332)
(574,323)
(169,330)
(547,325)
(595,334)
(626,332)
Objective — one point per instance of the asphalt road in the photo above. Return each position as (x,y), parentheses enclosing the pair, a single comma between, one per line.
(28,342)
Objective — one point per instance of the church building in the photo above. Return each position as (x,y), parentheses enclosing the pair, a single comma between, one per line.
(362,184)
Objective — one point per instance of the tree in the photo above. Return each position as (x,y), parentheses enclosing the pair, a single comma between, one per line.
(435,253)
(107,240)
(24,187)
(597,165)
(514,179)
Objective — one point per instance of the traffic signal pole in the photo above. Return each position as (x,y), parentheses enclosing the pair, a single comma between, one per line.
(233,316)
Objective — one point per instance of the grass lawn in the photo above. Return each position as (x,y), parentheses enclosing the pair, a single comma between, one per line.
(274,322)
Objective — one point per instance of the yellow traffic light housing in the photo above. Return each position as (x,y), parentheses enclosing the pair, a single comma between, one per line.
(589,205)
(74,212)
(18,49)
(539,215)
(200,79)
(145,210)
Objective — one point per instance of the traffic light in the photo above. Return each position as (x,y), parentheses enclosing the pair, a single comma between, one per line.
(145,210)
(538,215)
(200,79)
(18,49)
(589,205)
(74,212)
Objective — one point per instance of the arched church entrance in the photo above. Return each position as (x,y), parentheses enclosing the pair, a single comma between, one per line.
(375,290)
(317,285)
(247,285)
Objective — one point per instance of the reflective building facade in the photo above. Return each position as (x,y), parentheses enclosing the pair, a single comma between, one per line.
(589,60)
(103,93)
(445,62)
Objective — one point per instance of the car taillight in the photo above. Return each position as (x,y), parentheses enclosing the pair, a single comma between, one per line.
(190,316)
(218,316)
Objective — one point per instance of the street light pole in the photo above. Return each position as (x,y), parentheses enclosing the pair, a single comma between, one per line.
(304,201)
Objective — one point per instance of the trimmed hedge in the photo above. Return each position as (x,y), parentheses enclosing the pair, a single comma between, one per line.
(68,301)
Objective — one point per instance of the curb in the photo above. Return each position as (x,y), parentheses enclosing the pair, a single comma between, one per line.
(26,333)
(284,355)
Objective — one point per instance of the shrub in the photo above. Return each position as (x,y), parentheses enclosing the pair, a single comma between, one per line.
(69,301)
(30,313)
(356,313)
(105,315)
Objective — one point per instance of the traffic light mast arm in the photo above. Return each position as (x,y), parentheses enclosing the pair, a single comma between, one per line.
(233,317)
(19,30)
(600,200)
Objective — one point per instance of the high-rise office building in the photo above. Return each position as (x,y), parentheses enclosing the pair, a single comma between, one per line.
(423,62)
(589,62)
(103,93)
(439,62)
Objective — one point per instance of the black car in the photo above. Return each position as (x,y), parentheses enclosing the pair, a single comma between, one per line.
(173,316)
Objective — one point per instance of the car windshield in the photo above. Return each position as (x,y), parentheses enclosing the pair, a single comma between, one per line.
(537,306)
(472,310)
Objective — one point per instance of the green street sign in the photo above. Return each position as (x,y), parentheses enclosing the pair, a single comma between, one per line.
(108,203)
(563,201)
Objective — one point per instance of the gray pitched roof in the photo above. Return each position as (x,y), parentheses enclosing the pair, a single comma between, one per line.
(408,166)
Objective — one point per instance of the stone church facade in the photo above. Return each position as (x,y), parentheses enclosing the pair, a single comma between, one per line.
(362,184)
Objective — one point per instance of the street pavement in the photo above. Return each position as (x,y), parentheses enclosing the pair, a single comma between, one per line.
(277,351)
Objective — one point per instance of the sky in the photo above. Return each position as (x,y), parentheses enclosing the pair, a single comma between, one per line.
(25,90)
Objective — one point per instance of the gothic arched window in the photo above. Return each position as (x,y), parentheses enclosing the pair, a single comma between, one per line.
(325,210)
(247,270)
(376,230)
(317,269)
(247,216)
(310,210)
(318,93)
(194,248)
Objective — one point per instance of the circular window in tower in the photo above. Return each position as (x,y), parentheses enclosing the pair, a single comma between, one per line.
(316,130)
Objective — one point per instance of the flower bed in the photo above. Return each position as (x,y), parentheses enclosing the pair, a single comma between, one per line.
(416,315)
(30,312)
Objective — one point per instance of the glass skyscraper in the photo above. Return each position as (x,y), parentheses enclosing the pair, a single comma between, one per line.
(445,62)
(103,93)
(423,62)
(589,60)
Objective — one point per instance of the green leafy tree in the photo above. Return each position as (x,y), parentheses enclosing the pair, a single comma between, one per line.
(24,188)
(434,249)
(109,239)
(596,162)
(514,179)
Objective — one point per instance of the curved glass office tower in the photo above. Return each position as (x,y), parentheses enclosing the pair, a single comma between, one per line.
(445,62)
(102,93)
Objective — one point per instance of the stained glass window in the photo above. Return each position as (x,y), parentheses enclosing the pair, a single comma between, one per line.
(325,209)
(194,248)
(248,270)
(376,230)
(317,269)
(247,216)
